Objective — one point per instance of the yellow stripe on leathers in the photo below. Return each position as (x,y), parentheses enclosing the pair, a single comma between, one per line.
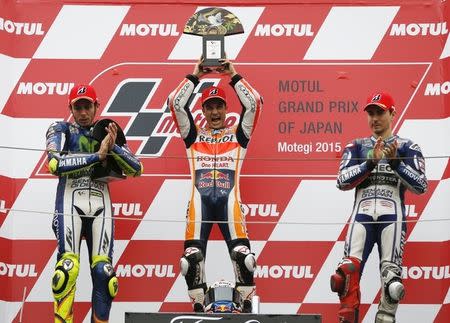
(238,217)
(63,308)
(190,226)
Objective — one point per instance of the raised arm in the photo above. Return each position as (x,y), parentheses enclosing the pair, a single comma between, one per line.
(251,103)
(178,103)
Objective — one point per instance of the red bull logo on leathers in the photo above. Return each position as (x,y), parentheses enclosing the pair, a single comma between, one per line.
(215,174)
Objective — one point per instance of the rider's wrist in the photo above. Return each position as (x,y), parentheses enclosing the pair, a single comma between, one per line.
(234,79)
(193,78)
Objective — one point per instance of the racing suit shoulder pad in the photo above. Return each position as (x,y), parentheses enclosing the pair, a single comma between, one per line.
(355,142)
(58,126)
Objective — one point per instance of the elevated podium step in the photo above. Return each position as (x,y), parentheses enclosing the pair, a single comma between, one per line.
(227,318)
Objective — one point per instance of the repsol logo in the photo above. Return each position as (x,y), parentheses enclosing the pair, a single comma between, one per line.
(47,88)
(437,88)
(21,28)
(426,272)
(278,30)
(163,30)
(283,271)
(145,270)
(212,140)
(127,209)
(263,210)
(18,270)
(419,29)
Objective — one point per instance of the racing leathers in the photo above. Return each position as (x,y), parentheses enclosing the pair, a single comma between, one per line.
(83,209)
(378,217)
(215,158)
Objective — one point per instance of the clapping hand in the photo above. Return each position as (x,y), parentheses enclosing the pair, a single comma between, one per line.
(390,151)
(107,143)
(378,153)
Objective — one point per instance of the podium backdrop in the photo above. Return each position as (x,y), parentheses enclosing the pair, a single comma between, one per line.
(313,62)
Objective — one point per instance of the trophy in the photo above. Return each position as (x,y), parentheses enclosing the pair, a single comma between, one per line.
(109,170)
(213,24)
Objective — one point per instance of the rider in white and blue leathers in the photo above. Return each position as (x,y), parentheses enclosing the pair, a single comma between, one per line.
(380,168)
(83,205)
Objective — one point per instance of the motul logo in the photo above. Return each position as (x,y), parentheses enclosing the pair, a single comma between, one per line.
(21,28)
(278,30)
(47,88)
(437,88)
(149,30)
(18,270)
(426,272)
(127,209)
(423,29)
(2,206)
(145,270)
(283,271)
(410,211)
(263,210)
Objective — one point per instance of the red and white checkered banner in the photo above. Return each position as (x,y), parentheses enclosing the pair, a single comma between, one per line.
(314,64)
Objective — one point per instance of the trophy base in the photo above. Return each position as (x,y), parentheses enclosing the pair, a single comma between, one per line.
(213,50)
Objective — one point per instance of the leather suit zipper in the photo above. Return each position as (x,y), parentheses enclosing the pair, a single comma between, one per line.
(215,161)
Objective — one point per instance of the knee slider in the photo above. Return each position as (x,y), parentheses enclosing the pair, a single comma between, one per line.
(65,275)
(191,266)
(103,274)
(244,262)
(391,279)
(383,317)
(347,275)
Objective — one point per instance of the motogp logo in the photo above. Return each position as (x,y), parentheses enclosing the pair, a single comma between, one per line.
(154,127)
